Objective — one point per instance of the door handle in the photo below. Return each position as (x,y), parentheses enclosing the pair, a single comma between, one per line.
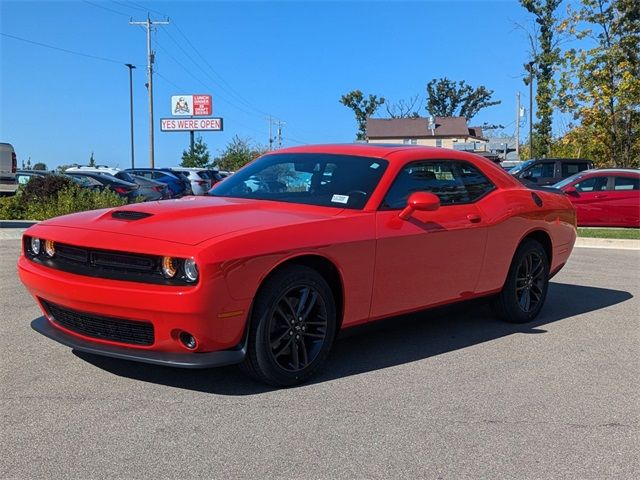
(474,218)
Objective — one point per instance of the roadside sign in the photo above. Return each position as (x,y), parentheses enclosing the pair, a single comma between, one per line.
(190,124)
(191,105)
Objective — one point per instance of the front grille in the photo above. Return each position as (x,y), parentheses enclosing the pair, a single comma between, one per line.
(123,261)
(96,326)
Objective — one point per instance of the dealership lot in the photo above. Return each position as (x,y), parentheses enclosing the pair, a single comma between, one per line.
(451,394)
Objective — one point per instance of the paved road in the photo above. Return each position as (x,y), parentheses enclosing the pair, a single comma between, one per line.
(451,395)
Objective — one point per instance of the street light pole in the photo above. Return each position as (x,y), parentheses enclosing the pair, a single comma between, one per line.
(531,109)
(131,67)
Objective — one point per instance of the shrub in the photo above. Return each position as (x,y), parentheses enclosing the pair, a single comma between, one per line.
(54,198)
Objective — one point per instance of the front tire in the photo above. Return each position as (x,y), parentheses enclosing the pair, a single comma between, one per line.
(525,289)
(292,328)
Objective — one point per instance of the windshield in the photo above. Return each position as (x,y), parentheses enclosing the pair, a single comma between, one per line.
(309,178)
(522,166)
(567,181)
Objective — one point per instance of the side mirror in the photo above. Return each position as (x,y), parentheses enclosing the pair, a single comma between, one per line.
(571,190)
(421,201)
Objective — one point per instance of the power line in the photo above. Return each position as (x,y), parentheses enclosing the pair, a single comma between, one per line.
(117,12)
(72,52)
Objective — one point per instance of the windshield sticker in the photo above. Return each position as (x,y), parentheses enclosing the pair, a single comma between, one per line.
(374,165)
(340,198)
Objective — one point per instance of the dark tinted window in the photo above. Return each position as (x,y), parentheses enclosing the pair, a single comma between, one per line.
(592,184)
(571,168)
(125,176)
(314,179)
(625,183)
(542,170)
(454,182)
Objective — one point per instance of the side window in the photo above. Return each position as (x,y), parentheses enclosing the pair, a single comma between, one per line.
(593,184)
(542,170)
(569,169)
(454,182)
(626,183)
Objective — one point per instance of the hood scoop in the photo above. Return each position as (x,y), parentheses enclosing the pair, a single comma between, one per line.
(130,215)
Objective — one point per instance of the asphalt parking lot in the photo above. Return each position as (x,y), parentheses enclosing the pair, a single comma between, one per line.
(446,395)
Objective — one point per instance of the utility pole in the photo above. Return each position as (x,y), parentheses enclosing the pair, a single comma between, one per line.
(280,124)
(270,135)
(131,67)
(517,125)
(148,24)
(531,109)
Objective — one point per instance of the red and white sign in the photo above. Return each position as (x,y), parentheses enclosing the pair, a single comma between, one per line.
(191,105)
(190,124)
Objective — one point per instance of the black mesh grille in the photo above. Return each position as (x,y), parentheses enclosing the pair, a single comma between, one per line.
(105,328)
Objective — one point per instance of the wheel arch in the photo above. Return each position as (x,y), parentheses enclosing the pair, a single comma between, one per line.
(543,238)
(324,267)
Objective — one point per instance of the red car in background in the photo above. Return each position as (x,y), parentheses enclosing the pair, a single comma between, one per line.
(605,197)
(266,269)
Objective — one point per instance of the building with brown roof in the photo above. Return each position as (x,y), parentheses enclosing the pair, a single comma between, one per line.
(445,132)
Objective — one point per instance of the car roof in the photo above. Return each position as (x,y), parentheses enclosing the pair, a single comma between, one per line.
(380,150)
(607,171)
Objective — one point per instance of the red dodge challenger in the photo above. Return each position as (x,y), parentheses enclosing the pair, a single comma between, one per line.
(266,269)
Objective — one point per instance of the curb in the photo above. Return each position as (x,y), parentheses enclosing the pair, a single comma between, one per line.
(611,243)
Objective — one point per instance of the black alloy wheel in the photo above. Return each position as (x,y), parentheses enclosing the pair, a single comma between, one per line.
(292,327)
(525,289)
(530,281)
(298,328)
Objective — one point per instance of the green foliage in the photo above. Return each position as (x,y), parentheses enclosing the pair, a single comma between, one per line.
(363,108)
(600,85)
(42,189)
(624,233)
(447,98)
(546,58)
(40,166)
(237,154)
(70,198)
(198,157)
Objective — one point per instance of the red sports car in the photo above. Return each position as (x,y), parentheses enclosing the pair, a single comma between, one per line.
(266,269)
(605,198)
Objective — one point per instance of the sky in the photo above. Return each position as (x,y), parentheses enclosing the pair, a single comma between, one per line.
(289,59)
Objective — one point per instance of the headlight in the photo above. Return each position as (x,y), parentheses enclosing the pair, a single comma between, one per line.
(35,245)
(49,248)
(190,270)
(169,267)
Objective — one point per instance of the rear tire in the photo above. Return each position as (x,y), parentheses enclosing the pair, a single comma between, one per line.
(292,327)
(525,289)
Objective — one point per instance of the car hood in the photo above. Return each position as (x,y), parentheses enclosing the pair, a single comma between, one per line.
(192,220)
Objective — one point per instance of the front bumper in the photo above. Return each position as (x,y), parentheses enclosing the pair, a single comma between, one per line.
(183,360)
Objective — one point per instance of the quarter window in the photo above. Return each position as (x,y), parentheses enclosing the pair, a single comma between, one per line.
(453,182)
(569,168)
(626,183)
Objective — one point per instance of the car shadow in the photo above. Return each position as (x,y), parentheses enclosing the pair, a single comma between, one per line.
(383,344)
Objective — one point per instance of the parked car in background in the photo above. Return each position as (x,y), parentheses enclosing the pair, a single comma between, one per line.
(547,171)
(94,168)
(177,185)
(8,167)
(23,176)
(605,197)
(149,189)
(216,176)
(333,236)
(126,190)
(199,179)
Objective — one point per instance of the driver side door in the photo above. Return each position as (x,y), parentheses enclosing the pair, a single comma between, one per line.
(433,257)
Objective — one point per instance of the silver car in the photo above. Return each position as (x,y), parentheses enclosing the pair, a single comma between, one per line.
(199,178)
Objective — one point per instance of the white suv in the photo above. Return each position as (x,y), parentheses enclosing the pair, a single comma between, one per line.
(95,169)
(8,167)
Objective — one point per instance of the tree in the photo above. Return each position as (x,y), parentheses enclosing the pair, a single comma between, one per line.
(62,168)
(600,84)
(403,108)
(92,161)
(198,157)
(363,108)
(545,60)
(237,154)
(447,98)
(40,166)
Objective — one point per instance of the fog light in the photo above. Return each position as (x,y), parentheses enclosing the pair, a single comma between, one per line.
(190,270)
(49,248)
(169,267)
(188,340)
(35,245)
